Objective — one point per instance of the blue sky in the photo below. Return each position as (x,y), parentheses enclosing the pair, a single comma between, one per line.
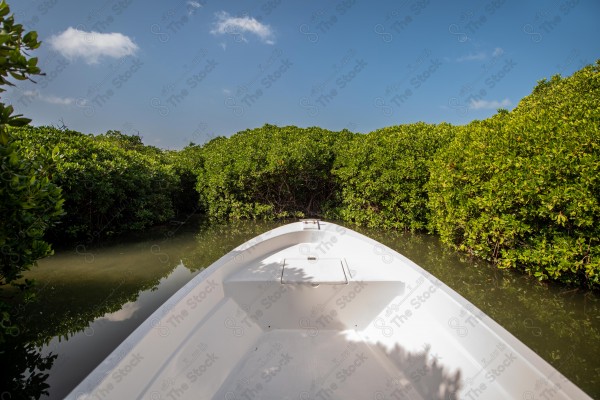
(185,71)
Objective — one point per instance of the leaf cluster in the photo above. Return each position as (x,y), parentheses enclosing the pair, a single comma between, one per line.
(269,172)
(382,175)
(112,183)
(522,189)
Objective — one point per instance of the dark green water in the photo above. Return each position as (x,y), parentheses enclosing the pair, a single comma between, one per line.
(91,298)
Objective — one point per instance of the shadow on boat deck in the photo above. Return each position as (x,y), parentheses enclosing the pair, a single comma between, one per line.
(310,345)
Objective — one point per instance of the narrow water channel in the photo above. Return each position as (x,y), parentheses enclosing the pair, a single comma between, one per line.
(90,298)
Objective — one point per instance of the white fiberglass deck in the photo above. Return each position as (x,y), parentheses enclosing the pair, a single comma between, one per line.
(317,311)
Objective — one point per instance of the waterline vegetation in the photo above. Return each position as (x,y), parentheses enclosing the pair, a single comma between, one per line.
(519,189)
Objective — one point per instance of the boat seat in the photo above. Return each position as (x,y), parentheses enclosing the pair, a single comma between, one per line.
(309,293)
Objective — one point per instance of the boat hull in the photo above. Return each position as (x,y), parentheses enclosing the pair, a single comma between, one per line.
(313,310)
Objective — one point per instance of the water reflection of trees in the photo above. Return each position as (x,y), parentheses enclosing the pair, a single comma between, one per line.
(63,309)
(22,361)
(24,369)
(62,314)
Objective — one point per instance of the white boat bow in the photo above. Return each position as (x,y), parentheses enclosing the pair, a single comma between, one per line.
(313,310)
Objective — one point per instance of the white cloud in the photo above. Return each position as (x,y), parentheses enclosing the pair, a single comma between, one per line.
(482,55)
(498,51)
(238,26)
(65,101)
(193,6)
(489,104)
(91,46)
(472,57)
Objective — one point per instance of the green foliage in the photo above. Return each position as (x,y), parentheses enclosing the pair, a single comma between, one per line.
(112,183)
(29,204)
(382,175)
(269,172)
(186,163)
(522,188)
(14,63)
